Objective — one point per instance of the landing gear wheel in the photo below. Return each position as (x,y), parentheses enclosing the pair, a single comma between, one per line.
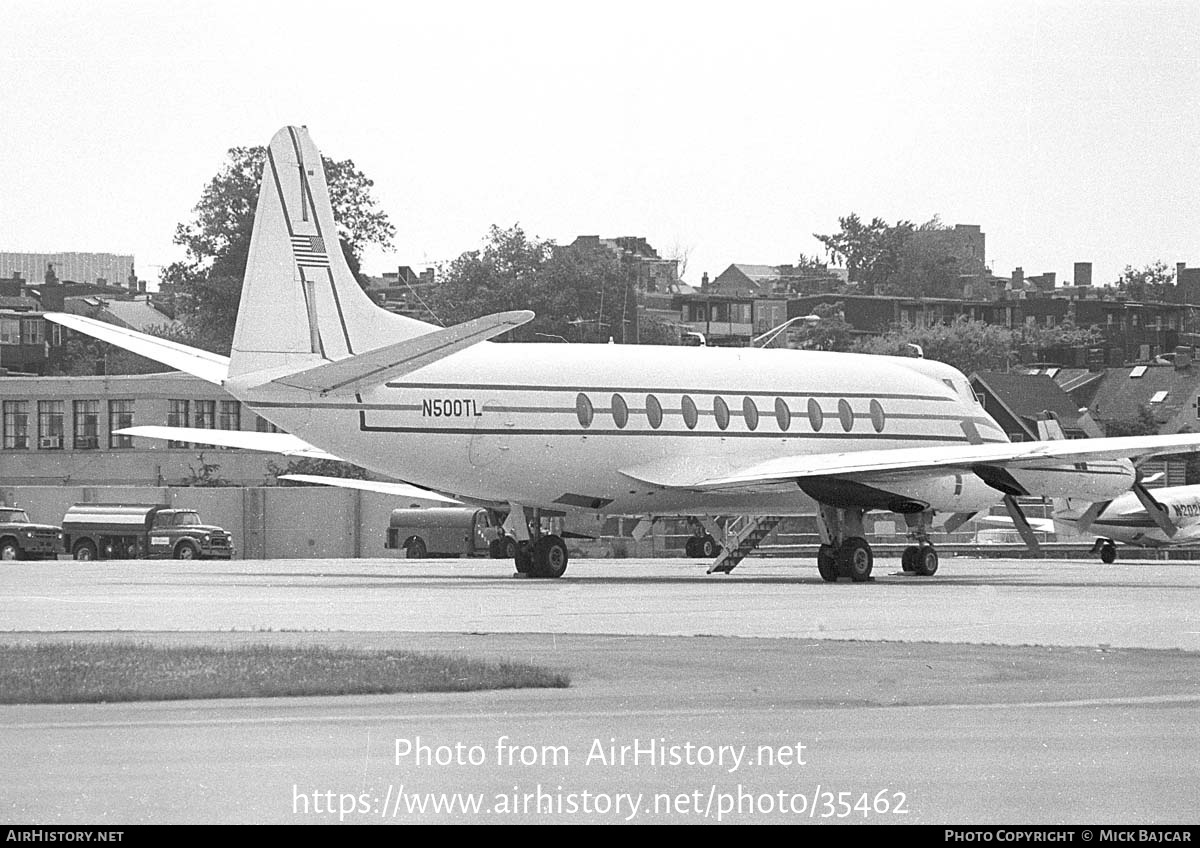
(927,561)
(415,549)
(908,559)
(827,564)
(549,557)
(1108,554)
(855,559)
(708,547)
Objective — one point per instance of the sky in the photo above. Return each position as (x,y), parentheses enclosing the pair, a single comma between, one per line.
(721,132)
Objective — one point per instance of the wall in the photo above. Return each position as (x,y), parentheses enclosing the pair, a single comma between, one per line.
(271,522)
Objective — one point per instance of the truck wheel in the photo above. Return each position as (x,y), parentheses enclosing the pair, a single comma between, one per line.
(510,547)
(186,550)
(84,552)
(708,547)
(9,550)
(416,549)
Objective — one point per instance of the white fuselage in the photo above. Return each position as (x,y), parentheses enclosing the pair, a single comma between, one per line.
(555,425)
(1125,520)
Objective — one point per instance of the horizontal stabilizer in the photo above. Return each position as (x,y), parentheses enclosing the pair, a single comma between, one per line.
(347,376)
(208,366)
(281,443)
(410,494)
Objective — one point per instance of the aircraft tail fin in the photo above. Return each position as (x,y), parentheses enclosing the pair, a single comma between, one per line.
(301,305)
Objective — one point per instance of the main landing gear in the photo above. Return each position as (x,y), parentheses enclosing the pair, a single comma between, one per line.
(536,555)
(922,558)
(843,552)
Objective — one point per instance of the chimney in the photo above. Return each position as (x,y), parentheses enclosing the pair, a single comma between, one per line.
(704,280)
(1183,358)
(1083,273)
(1018,278)
(1095,359)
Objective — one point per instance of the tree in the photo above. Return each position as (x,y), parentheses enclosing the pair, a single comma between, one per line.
(1144,424)
(871,252)
(967,345)
(1150,283)
(829,332)
(580,294)
(208,282)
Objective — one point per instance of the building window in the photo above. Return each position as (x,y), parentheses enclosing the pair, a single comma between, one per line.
(620,411)
(815,416)
(86,421)
(33,331)
(750,413)
(262,425)
(691,415)
(10,331)
(120,416)
(846,415)
(50,424)
(721,412)
(206,414)
(654,412)
(230,415)
(783,415)
(878,419)
(178,415)
(16,425)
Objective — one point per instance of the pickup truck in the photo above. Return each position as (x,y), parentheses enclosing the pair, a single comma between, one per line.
(20,538)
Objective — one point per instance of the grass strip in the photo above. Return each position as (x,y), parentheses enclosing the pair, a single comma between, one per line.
(80,672)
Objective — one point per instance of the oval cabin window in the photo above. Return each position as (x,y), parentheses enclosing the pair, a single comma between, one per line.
(583,409)
(783,415)
(654,412)
(620,411)
(750,413)
(877,417)
(815,416)
(691,415)
(846,414)
(721,412)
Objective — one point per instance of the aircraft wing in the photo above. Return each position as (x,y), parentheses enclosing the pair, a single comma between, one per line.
(281,443)
(402,490)
(211,367)
(346,376)
(698,475)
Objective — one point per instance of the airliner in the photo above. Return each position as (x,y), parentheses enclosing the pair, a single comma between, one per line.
(561,428)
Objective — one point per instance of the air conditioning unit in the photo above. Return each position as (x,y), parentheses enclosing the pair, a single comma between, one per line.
(87,442)
(50,442)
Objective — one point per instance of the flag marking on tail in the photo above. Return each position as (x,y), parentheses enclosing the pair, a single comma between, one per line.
(310,251)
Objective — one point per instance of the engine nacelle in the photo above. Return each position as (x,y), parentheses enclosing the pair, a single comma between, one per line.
(950,491)
(1097,480)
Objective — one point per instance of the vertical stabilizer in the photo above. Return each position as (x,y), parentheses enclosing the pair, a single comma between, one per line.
(300,303)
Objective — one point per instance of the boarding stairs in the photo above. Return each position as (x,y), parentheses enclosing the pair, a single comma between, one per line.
(743,534)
